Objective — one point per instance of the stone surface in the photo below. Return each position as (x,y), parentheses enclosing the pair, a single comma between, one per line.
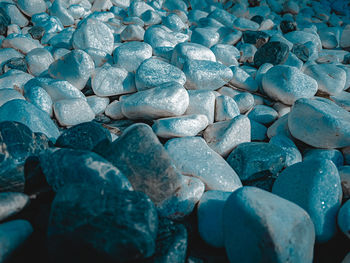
(325,154)
(242,79)
(80,68)
(204,163)
(320,123)
(225,108)
(166,100)
(97,104)
(201,102)
(210,217)
(84,136)
(344,218)
(293,154)
(267,227)
(263,114)
(9,94)
(344,173)
(330,78)
(12,235)
(143,160)
(254,160)
(224,136)
(186,125)
(110,81)
(92,33)
(317,189)
(26,113)
(11,203)
(90,223)
(72,111)
(204,74)
(245,101)
(65,166)
(38,61)
(288,84)
(226,54)
(272,52)
(154,72)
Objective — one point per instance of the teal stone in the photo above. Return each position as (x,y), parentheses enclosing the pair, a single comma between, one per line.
(171,243)
(12,235)
(263,114)
(261,227)
(141,157)
(320,123)
(40,98)
(210,217)
(254,160)
(325,154)
(258,131)
(293,154)
(28,114)
(317,189)
(93,223)
(65,166)
(84,136)
(344,218)
(11,203)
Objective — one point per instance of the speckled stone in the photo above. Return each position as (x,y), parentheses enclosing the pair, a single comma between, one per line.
(143,160)
(268,227)
(204,74)
(242,79)
(226,54)
(293,154)
(201,102)
(40,98)
(263,114)
(264,160)
(153,72)
(185,125)
(72,111)
(38,61)
(225,108)
(344,218)
(325,154)
(245,101)
(224,136)
(110,81)
(204,163)
(167,100)
(317,190)
(97,104)
(93,33)
(9,94)
(21,43)
(320,123)
(272,52)
(84,136)
(28,114)
(89,223)
(344,172)
(114,110)
(80,68)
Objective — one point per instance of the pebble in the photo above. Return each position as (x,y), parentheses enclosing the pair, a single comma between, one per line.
(152,171)
(320,123)
(92,33)
(26,113)
(12,235)
(263,114)
(344,172)
(154,72)
(288,84)
(319,193)
(258,131)
(255,160)
(110,81)
(167,100)
(210,218)
(65,166)
(343,218)
(15,63)
(272,52)
(132,33)
(201,102)
(204,74)
(225,108)
(325,154)
(131,54)
(226,54)
(257,38)
(224,136)
(186,125)
(292,152)
(9,94)
(207,36)
(80,70)
(287,26)
(83,136)
(114,110)
(183,201)
(101,222)
(14,79)
(244,101)
(267,227)
(330,78)
(40,98)
(242,79)
(31,7)
(21,43)
(38,61)
(11,203)
(190,51)
(244,24)
(97,104)
(204,163)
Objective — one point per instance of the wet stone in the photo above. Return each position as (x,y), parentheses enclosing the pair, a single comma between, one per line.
(84,136)
(272,52)
(89,223)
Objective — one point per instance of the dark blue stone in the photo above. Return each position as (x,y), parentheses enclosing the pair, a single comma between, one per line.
(287,26)
(257,19)
(84,136)
(257,38)
(274,52)
(5,20)
(67,166)
(301,51)
(37,32)
(99,224)
(15,63)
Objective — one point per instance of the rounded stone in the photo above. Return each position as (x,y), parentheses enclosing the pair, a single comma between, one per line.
(272,52)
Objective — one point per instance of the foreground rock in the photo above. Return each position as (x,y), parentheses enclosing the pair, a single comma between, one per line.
(258,224)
